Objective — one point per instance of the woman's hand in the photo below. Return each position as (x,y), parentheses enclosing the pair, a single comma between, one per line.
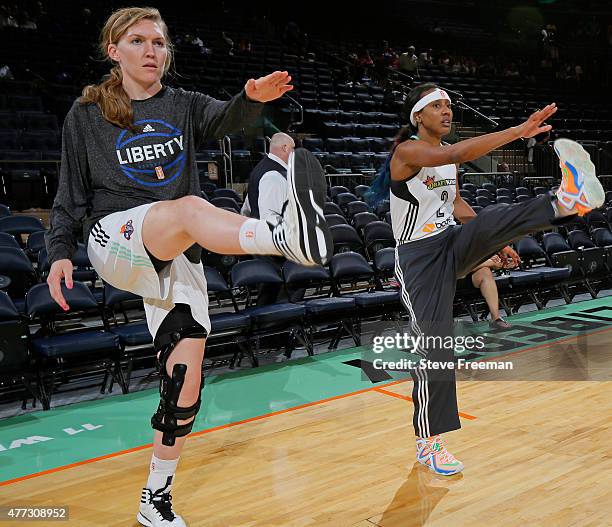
(509,257)
(268,88)
(533,125)
(60,269)
(496,262)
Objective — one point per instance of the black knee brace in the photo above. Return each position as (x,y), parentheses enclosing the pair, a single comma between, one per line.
(177,325)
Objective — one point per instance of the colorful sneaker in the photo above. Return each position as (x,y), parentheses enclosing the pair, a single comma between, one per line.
(580,190)
(432,453)
(300,232)
(156,510)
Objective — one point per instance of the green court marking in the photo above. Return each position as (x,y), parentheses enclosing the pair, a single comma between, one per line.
(42,441)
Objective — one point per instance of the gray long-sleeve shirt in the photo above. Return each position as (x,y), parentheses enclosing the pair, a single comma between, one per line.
(107,169)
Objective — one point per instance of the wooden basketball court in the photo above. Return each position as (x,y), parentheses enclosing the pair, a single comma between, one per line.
(536,452)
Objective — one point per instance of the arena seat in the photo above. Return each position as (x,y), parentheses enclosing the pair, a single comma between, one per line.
(332,208)
(322,311)
(352,268)
(227,193)
(226,202)
(8,240)
(361,219)
(356,207)
(19,225)
(283,317)
(534,258)
(17,367)
(15,265)
(228,327)
(60,350)
(345,239)
(335,219)
(377,235)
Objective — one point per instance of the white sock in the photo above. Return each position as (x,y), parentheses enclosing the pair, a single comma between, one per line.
(255,237)
(161,470)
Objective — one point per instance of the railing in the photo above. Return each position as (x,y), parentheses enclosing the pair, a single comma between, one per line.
(349,180)
(300,109)
(497,178)
(226,153)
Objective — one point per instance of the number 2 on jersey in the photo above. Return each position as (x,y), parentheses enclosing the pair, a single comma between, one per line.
(443,197)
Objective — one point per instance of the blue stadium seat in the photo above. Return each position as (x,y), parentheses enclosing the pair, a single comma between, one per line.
(15,265)
(352,268)
(384,263)
(227,193)
(314,144)
(361,219)
(323,312)
(34,243)
(61,350)
(283,317)
(335,219)
(4,211)
(332,208)
(361,190)
(228,326)
(17,370)
(226,202)
(345,239)
(8,240)
(18,225)
(377,235)
(356,207)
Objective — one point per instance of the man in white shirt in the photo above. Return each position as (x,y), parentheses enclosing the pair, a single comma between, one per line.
(266,195)
(268,180)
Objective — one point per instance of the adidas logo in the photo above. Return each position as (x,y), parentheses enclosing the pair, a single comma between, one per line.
(148,128)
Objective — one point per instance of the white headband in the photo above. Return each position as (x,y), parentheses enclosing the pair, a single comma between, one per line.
(435,95)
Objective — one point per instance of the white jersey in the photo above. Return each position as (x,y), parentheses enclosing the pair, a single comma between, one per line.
(423,205)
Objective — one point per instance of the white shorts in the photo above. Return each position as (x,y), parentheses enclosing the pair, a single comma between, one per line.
(118,255)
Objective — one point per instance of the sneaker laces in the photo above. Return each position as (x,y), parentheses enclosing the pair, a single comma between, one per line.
(163,504)
(438,448)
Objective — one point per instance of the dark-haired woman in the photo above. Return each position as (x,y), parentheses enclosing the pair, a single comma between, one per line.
(433,251)
(129,178)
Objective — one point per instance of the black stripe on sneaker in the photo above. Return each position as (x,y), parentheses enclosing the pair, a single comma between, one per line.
(308,192)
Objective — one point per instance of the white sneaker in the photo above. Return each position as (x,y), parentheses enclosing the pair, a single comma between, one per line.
(580,190)
(156,510)
(300,232)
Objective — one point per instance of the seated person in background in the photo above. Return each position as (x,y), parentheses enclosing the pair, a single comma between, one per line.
(267,193)
(482,278)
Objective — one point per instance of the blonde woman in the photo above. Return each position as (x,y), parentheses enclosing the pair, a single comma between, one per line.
(129,179)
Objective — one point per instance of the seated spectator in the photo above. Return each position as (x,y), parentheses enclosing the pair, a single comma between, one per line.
(267,194)
(482,278)
(409,62)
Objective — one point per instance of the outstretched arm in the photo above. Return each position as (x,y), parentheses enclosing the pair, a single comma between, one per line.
(418,154)
(214,119)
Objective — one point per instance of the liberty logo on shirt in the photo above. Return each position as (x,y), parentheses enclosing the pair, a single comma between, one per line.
(158,150)
(127,230)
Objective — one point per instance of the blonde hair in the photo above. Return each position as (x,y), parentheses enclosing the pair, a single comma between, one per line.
(113,101)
